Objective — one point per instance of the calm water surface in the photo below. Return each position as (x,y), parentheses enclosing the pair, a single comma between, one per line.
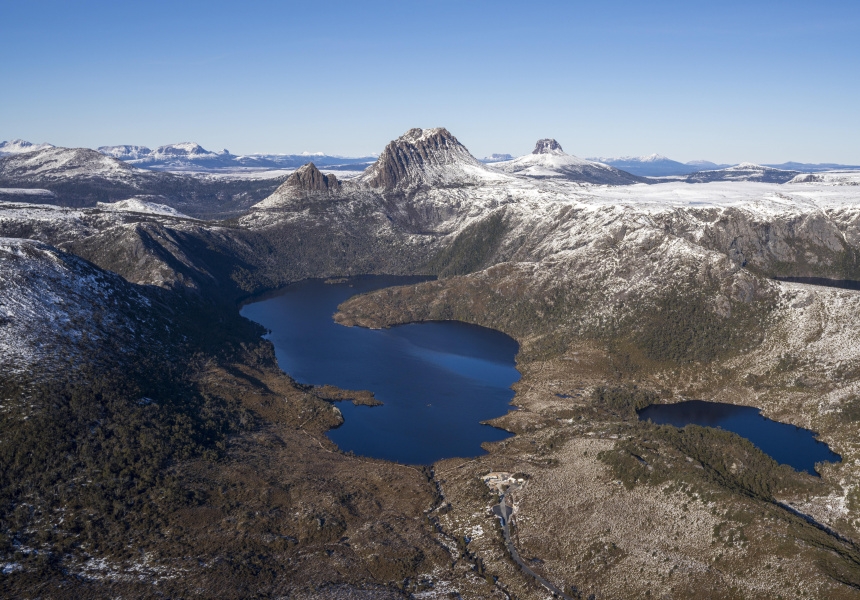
(436,380)
(786,444)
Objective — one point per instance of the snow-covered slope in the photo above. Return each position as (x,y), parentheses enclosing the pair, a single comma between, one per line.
(653,165)
(19,146)
(125,152)
(548,160)
(140,205)
(57,309)
(743,172)
(494,158)
(706,165)
(426,158)
(184,156)
(829,178)
(60,163)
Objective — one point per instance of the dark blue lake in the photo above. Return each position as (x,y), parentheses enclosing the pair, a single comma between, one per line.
(437,381)
(786,444)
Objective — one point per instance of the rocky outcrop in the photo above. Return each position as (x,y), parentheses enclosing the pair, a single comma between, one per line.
(547,146)
(305,185)
(310,179)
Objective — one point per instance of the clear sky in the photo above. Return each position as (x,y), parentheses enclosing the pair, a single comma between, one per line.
(725,81)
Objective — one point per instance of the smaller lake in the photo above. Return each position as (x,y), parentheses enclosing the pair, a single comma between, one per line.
(845,284)
(437,381)
(786,444)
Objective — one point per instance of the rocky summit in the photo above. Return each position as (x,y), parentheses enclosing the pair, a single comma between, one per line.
(424,157)
(310,179)
(547,146)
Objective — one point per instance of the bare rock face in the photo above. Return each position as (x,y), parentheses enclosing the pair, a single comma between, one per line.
(547,146)
(310,179)
(423,157)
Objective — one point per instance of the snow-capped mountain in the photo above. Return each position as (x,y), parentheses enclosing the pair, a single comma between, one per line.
(548,160)
(423,158)
(20,146)
(125,152)
(78,177)
(184,156)
(494,158)
(706,165)
(190,156)
(141,205)
(743,172)
(60,163)
(653,165)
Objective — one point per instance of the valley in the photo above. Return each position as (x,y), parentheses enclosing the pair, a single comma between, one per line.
(159,448)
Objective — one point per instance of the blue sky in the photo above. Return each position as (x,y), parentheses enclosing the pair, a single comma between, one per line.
(724,81)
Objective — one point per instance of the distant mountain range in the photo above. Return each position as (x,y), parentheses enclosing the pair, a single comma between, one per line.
(655,165)
(189,156)
(20,146)
(811,167)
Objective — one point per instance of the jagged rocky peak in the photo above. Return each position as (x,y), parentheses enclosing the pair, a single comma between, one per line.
(547,146)
(423,157)
(310,179)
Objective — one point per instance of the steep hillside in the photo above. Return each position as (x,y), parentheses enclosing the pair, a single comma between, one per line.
(58,311)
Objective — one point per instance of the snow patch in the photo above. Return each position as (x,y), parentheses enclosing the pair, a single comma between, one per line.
(141,206)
